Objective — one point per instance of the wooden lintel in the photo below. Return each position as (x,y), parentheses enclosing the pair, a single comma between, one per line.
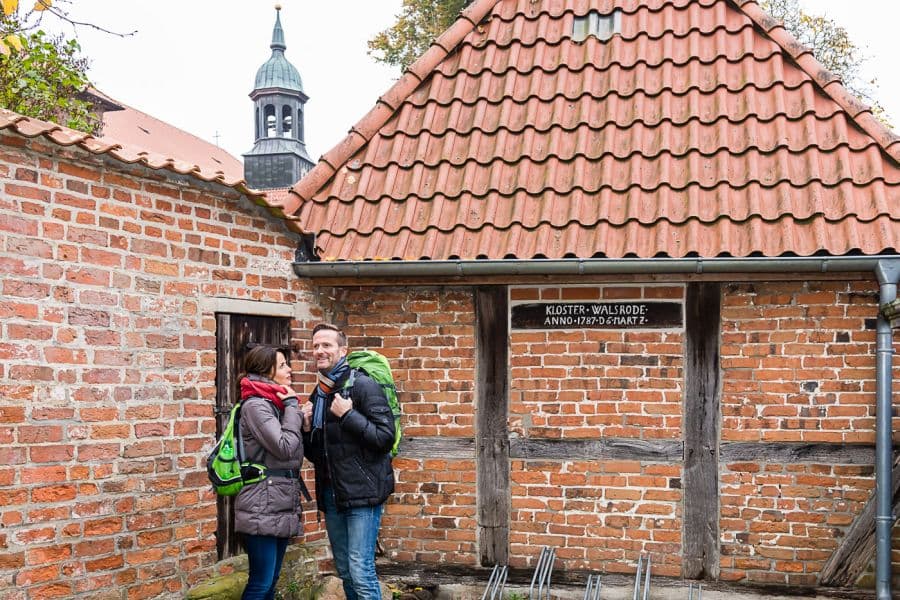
(602,449)
(792,452)
(643,450)
(438,447)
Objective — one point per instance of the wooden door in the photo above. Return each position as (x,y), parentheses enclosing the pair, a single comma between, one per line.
(235,335)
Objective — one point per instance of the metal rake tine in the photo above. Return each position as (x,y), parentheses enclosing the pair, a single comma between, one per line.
(637,578)
(537,572)
(490,584)
(492,590)
(646,595)
(596,590)
(501,583)
(548,571)
(587,589)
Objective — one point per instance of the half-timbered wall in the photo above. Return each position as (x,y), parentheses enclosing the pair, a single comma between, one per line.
(602,462)
(576,384)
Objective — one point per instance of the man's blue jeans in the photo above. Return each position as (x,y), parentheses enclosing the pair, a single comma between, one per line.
(265,554)
(353,533)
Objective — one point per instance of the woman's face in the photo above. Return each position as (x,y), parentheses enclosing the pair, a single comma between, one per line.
(282,374)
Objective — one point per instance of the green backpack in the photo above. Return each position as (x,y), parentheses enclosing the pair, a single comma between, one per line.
(376,366)
(225,466)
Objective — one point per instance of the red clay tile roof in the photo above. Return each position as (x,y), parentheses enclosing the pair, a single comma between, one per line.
(130,154)
(135,128)
(704,129)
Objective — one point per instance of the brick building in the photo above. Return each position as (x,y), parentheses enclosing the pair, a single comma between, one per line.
(118,268)
(626,257)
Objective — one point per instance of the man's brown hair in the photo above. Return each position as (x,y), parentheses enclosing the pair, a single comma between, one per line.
(342,337)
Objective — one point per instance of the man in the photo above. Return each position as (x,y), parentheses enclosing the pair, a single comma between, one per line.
(348,434)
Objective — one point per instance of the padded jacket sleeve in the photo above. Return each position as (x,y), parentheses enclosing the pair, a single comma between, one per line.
(371,419)
(280,439)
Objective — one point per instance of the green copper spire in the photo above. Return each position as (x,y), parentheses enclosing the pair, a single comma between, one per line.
(278,32)
(278,72)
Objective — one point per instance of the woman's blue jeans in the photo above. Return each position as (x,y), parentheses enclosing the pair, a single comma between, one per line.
(353,533)
(265,554)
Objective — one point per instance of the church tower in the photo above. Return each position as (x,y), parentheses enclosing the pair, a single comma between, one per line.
(278,158)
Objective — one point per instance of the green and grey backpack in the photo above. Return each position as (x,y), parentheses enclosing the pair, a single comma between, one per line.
(226,466)
(377,367)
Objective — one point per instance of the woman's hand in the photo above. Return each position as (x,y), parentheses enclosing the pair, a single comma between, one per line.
(289,397)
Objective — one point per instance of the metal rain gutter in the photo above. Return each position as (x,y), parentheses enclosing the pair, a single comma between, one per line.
(580,266)
(888,273)
(886,268)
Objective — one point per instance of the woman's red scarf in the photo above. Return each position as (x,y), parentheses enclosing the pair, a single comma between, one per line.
(262,389)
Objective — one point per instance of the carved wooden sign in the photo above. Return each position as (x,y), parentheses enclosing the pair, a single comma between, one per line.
(598,315)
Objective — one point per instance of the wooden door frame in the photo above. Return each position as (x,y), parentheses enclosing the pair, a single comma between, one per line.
(227,363)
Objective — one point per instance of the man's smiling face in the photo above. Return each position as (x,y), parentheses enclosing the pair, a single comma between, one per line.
(327,350)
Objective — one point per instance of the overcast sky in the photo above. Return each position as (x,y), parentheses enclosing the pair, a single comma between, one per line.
(192,63)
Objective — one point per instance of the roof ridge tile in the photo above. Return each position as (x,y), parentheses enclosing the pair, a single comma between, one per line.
(327,166)
(830,83)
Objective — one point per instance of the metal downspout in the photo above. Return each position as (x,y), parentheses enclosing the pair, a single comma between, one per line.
(888,273)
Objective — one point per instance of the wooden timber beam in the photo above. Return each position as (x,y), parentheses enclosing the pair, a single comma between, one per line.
(702,385)
(668,451)
(493,502)
(857,550)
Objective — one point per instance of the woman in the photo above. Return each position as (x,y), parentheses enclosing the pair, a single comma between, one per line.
(268,513)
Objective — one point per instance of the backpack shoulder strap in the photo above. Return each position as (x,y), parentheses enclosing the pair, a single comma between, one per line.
(242,455)
(349,383)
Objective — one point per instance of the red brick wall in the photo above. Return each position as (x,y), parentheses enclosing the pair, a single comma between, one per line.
(799,366)
(107,366)
(591,384)
(428,336)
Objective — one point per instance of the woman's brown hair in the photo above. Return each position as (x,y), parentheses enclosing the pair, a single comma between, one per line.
(261,360)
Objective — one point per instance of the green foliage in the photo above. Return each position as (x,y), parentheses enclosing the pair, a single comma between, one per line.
(515,596)
(46,79)
(832,46)
(419,22)
(299,578)
(308,589)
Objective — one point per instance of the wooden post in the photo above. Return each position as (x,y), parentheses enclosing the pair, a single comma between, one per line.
(226,544)
(700,546)
(491,428)
(235,334)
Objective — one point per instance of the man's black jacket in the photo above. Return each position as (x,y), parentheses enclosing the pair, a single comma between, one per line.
(355,449)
